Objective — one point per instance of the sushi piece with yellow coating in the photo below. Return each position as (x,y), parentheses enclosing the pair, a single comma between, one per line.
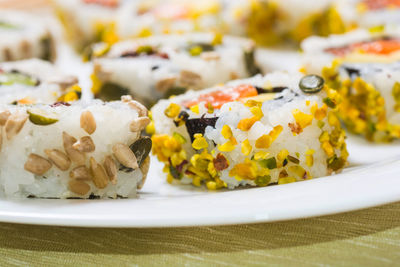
(275,129)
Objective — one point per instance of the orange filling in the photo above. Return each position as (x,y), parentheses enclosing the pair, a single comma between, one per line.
(380,47)
(107,3)
(381,4)
(217,98)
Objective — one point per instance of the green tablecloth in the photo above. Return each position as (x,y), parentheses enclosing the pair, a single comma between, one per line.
(363,238)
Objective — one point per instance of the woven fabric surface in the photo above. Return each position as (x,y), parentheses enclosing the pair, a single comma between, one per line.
(368,237)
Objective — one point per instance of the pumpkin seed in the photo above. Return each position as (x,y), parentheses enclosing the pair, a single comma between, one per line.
(40,117)
(311,84)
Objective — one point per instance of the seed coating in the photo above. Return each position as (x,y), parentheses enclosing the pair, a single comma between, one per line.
(88,123)
(37,164)
(125,156)
(75,155)
(59,158)
(85,144)
(100,178)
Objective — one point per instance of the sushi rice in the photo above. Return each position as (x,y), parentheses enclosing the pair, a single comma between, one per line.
(159,66)
(24,36)
(73,150)
(254,132)
(35,81)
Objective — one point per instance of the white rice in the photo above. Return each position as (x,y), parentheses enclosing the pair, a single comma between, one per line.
(113,121)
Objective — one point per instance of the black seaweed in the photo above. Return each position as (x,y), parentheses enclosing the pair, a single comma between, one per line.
(250,61)
(277,89)
(195,126)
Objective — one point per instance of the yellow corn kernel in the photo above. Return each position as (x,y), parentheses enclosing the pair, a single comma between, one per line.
(218,37)
(324,137)
(196,181)
(246,124)
(227,147)
(308,102)
(145,32)
(302,118)
(264,141)
(286,180)
(170,178)
(211,185)
(195,109)
(298,171)
(150,128)
(309,160)
(172,110)
(226,132)
(327,147)
(257,112)
(261,155)
(333,120)
(320,113)
(199,142)
(282,155)
(246,147)
(246,170)
(276,131)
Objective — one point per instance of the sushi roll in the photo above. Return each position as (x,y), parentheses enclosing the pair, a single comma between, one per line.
(260,131)
(380,44)
(370,94)
(369,13)
(24,36)
(35,81)
(160,66)
(73,150)
(88,21)
(143,18)
(273,22)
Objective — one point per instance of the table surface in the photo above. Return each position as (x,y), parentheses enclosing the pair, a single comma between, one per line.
(368,237)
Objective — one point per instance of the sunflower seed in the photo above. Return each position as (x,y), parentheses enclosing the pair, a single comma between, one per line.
(142,110)
(111,169)
(190,79)
(15,123)
(4,116)
(88,123)
(125,156)
(164,84)
(85,144)
(59,158)
(79,187)
(139,124)
(100,178)
(80,173)
(37,164)
(144,168)
(75,155)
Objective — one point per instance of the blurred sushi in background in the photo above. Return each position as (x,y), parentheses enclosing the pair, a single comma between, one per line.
(143,18)
(24,36)
(161,66)
(271,22)
(369,13)
(35,81)
(363,66)
(88,21)
(275,129)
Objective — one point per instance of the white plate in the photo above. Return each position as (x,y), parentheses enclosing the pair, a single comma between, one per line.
(372,179)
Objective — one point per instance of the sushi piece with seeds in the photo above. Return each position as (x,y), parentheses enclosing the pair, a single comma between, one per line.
(255,132)
(24,36)
(35,81)
(60,160)
(161,66)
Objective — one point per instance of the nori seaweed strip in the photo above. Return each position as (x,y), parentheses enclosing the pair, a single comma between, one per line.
(195,126)
(277,89)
